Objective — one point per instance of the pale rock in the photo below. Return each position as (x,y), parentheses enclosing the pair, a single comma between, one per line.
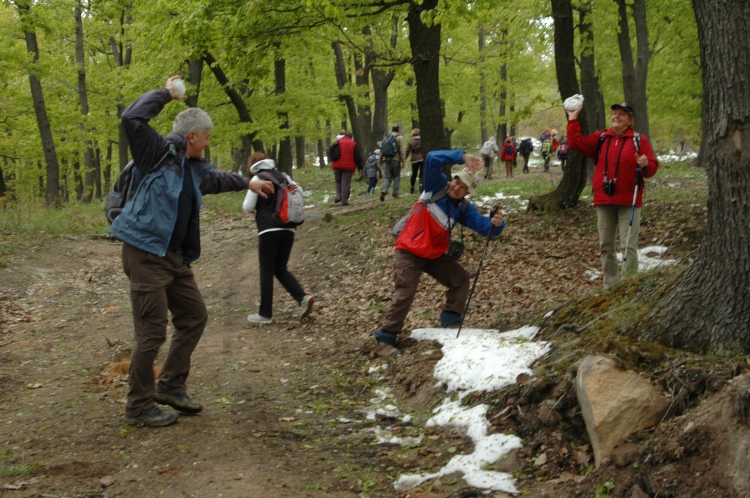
(107,481)
(615,403)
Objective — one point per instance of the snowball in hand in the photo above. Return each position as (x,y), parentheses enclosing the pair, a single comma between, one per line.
(179,87)
(573,102)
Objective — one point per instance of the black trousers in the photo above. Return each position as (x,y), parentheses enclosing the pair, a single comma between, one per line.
(274,249)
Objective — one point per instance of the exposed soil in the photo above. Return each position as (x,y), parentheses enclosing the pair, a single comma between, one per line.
(284,403)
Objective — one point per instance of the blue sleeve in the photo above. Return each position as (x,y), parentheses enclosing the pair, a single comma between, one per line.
(434,178)
(481,224)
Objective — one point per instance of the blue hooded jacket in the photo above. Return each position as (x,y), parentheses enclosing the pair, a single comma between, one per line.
(147,221)
(435,180)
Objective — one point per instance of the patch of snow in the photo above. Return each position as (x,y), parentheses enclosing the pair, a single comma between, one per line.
(647,262)
(377,368)
(406,419)
(549,314)
(326,199)
(385,436)
(592,274)
(672,156)
(479,360)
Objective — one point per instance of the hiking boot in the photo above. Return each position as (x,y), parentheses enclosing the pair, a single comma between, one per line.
(306,306)
(382,196)
(450,319)
(257,318)
(153,417)
(178,401)
(384,350)
(337,199)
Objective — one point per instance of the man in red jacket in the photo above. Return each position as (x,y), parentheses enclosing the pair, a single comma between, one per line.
(623,158)
(343,168)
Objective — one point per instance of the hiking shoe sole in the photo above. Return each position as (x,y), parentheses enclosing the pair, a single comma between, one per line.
(384,350)
(306,306)
(153,417)
(181,403)
(256,318)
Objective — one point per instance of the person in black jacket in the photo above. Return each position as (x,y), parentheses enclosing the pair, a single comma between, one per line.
(274,245)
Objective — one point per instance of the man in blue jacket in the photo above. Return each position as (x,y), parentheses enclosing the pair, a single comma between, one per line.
(422,248)
(160,231)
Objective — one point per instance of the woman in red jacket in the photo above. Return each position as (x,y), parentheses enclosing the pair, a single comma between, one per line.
(507,154)
(343,168)
(623,157)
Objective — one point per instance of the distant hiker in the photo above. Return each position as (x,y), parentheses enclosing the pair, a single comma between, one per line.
(392,160)
(547,153)
(545,136)
(417,161)
(372,171)
(526,148)
(489,149)
(343,168)
(562,152)
(423,238)
(161,237)
(275,241)
(508,154)
(515,145)
(623,158)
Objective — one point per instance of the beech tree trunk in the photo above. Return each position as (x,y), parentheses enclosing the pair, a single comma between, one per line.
(381,80)
(284,160)
(482,89)
(634,76)
(249,140)
(574,178)
(708,307)
(122,53)
(299,149)
(52,190)
(425,50)
(342,80)
(594,101)
(195,76)
(89,179)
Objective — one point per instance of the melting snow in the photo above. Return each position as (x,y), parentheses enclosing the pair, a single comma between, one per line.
(479,360)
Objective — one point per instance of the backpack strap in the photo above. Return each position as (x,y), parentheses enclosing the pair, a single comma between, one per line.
(170,151)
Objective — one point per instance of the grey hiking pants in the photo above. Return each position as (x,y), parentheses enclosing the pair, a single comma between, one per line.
(610,220)
(392,173)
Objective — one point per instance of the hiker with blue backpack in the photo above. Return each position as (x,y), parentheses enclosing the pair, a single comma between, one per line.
(276,226)
(423,243)
(392,159)
(623,158)
(160,230)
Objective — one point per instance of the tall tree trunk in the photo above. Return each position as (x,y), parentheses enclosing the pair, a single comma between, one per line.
(594,102)
(299,148)
(195,76)
(364,118)
(502,125)
(108,168)
(574,178)
(482,88)
(321,153)
(634,78)
(3,188)
(97,172)
(342,81)
(249,140)
(122,53)
(83,100)
(381,80)
(708,306)
(284,161)
(52,192)
(425,50)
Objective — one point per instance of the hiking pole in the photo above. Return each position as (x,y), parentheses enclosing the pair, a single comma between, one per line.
(476,277)
(632,213)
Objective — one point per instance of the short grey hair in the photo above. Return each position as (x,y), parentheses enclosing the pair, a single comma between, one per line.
(193,119)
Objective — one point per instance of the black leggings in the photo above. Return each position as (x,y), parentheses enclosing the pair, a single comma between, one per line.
(417,169)
(274,249)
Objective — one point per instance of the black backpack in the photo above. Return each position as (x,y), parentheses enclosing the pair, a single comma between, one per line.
(120,193)
(334,152)
(508,150)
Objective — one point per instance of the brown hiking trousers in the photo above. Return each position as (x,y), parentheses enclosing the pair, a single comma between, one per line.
(407,270)
(157,285)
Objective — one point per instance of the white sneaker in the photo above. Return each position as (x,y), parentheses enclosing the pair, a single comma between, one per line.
(306,306)
(257,318)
